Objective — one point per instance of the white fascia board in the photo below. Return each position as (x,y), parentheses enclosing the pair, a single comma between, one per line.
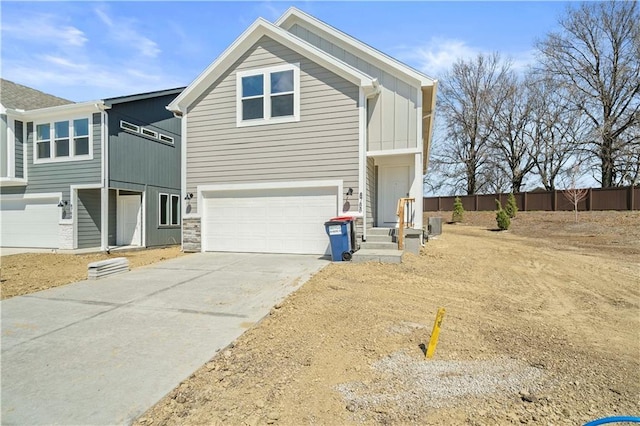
(62,110)
(393,66)
(250,36)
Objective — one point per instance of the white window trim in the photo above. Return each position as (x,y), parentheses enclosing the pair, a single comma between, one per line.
(267,119)
(150,133)
(170,198)
(123,125)
(165,138)
(72,157)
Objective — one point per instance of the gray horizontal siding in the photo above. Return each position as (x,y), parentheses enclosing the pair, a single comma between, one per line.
(392,116)
(4,146)
(19,154)
(58,176)
(323,145)
(89,218)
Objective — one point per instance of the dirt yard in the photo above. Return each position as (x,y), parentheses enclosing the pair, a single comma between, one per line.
(542,326)
(27,273)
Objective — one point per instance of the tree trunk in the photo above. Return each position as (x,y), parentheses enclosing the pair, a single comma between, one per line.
(606,158)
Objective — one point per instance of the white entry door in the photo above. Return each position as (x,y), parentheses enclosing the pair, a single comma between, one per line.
(129,220)
(394,184)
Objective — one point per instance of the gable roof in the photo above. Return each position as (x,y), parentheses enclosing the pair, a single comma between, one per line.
(248,38)
(19,97)
(295,16)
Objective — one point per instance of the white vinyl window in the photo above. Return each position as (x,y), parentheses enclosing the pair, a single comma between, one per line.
(63,140)
(169,210)
(268,95)
(134,128)
(125,125)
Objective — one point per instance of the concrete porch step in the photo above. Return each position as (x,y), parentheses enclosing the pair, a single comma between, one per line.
(381,231)
(377,255)
(378,245)
(380,238)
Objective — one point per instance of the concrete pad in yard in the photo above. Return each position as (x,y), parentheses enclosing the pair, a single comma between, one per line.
(102,352)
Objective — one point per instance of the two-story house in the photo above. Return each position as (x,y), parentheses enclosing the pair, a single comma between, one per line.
(93,174)
(295,123)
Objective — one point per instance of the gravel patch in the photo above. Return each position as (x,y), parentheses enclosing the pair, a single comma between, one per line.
(413,385)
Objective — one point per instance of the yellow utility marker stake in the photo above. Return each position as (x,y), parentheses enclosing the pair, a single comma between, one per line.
(433,342)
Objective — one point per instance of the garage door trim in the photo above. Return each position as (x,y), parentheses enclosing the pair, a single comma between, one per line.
(210,191)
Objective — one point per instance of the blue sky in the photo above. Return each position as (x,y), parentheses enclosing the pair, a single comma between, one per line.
(92,50)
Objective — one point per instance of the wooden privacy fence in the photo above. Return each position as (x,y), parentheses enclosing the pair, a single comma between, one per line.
(619,198)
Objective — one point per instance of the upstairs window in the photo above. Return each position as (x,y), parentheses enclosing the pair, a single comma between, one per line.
(62,141)
(43,141)
(268,95)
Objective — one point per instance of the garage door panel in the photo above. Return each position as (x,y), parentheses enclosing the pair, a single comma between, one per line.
(31,222)
(268,221)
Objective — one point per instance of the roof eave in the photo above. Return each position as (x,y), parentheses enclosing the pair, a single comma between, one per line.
(293,15)
(60,110)
(257,30)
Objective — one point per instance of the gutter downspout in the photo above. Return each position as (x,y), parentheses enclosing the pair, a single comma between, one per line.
(104,191)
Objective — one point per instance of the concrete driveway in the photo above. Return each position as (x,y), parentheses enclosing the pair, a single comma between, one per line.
(102,352)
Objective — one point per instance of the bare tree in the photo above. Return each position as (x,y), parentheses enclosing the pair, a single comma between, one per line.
(572,192)
(555,129)
(470,95)
(596,58)
(510,141)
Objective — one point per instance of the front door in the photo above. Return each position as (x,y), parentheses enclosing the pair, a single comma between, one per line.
(129,220)
(394,184)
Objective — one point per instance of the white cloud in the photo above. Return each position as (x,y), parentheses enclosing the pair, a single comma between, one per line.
(45,29)
(436,57)
(124,31)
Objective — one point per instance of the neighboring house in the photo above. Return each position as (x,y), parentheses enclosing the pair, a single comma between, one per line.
(94,174)
(293,124)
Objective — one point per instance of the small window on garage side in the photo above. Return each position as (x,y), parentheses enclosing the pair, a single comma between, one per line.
(175,210)
(164,209)
(169,210)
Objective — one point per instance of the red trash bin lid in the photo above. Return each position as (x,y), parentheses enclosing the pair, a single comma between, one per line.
(342,218)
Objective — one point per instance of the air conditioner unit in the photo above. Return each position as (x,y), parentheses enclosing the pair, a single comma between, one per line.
(435,226)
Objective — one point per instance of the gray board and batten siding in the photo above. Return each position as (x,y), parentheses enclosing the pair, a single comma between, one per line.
(145,164)
(136,158)
(323,145)
(391,116)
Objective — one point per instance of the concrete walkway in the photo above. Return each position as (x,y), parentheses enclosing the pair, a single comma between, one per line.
(102,352)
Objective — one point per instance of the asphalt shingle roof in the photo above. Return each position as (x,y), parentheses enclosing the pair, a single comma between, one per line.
(17,96)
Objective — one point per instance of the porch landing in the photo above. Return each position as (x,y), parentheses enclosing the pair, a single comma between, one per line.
(381,246)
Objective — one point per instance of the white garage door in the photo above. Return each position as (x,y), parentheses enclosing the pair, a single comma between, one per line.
(268,220)
(30,222)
